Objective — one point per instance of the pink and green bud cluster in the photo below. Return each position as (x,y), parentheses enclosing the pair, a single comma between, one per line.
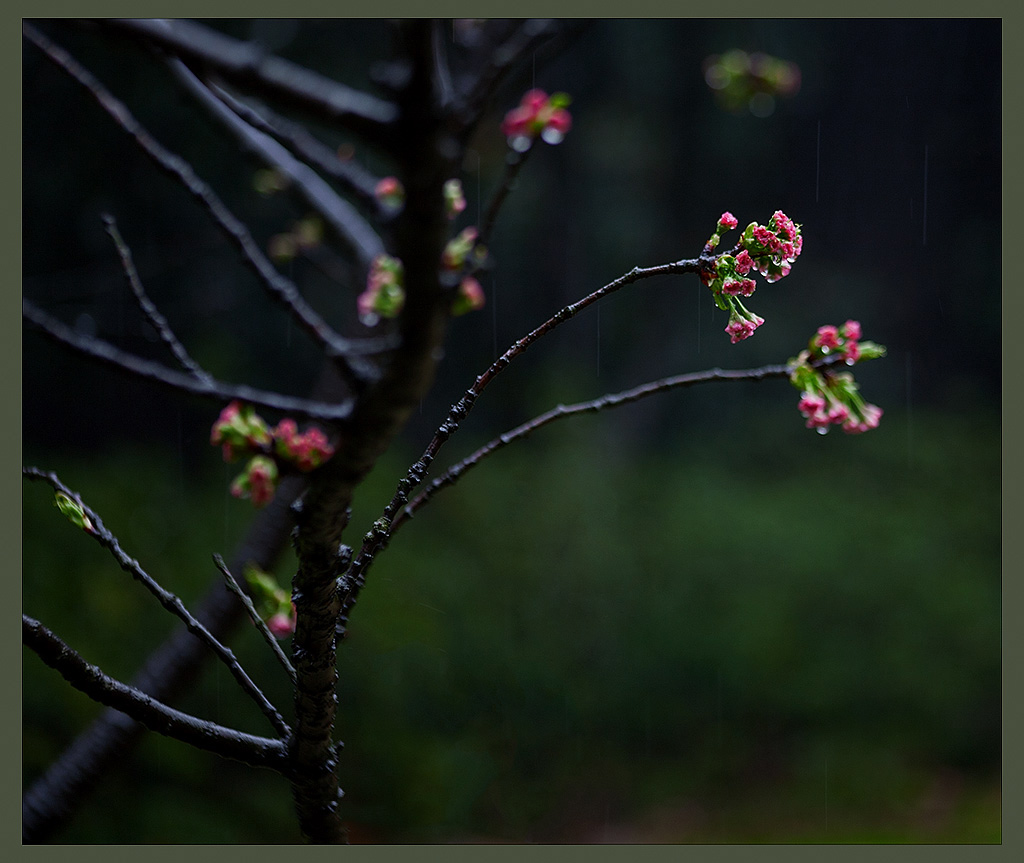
(240,431)
(750,81)
(772,249)
(469,298)
(831,398)
(454,199)
(454,257)
(257,482)
(384,295)
(457,251)
(306,451)
(537,115)
(390,192)
(273,604)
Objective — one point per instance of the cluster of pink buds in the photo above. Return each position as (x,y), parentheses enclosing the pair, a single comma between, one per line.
(537,114)
(306,451)
(272,602)
(831,398)
(240,431)
(384,295)
(770,251)
(454,199)
(257,482)
(390,192)
(470,295)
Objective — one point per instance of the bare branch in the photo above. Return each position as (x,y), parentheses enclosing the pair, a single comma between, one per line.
(105,352)
(605,402)
(279,287)
(168,600)
(355,179)
(250,609)
(246,64)
(156,716)
(378,538)
(513,165)
(342,217)
(148,308)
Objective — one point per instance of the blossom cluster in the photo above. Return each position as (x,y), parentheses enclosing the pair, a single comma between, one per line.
(454,199)
(768,249)
(470,295)
(537,115)
(384,295)
(750,81)
(831,398)
(390,192)
(272,602)
(240,432)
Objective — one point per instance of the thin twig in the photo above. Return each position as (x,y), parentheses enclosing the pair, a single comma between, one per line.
(168,600)
(254,616)
(605,402)
(377,538)
(105,352)
(155,715)
(513,165)
(150,310)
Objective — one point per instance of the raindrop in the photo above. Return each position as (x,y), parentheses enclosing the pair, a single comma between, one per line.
(717,77)
(519,143)
(369,319)
(851,361)
(762,105)
(552,136)
(822,429)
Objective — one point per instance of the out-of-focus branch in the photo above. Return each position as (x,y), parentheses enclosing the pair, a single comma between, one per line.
(87,678)
(338,213)
(105,352)
(168,600)
(151,312)
(353,177)
(247,65)
(279,287)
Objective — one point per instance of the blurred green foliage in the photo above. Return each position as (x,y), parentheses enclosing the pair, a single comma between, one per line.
(796,639)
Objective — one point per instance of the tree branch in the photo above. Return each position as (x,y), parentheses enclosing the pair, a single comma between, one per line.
(605,402)
(279,287)
(151,312)
(105,352)
(378,537)
(257,621)
(87,678)
(168,600)
(339,214)
(351,174)
(247,65)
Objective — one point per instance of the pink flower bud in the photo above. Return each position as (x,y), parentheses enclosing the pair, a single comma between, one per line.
(281,624)
(827,338)
(744,262)
(727,221)
(851,329)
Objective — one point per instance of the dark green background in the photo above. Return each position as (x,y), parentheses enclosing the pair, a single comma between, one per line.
(688,620)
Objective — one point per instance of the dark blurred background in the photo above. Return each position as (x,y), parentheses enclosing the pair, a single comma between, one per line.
(688,620)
